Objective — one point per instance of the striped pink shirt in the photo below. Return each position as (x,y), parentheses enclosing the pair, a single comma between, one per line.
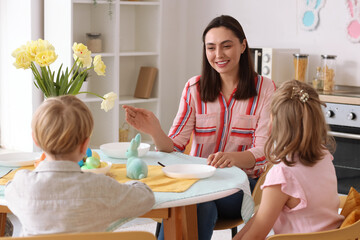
(220,126)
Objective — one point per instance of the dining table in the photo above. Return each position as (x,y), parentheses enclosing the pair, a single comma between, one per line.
(177,209)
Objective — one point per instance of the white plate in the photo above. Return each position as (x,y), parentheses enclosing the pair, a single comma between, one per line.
(118,149)
(189,171)
(19,159)
(102,170)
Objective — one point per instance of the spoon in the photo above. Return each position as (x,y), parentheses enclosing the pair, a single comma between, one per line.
(161,164)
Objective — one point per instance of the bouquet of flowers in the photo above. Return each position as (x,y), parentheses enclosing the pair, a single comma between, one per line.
(42,53)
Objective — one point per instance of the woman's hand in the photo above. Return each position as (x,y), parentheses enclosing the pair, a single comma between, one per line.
(221,160)
(141,119)
(145,121)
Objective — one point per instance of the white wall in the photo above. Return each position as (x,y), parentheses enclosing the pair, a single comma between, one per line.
(17,96)
(276,24)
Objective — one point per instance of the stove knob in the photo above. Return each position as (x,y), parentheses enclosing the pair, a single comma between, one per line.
(266,58)
(329,113)
(266,70)
(351,116)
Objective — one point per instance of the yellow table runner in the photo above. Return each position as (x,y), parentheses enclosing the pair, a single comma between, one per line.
(156,179)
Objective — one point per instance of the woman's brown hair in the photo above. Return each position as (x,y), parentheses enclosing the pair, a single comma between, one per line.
(210,82)
(298,126)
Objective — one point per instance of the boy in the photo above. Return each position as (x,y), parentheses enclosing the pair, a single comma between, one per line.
(57,197)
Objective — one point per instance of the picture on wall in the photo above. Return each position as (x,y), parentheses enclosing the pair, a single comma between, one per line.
(310,14)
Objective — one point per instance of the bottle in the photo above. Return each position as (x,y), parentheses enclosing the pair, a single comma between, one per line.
(328,64)
(301,66)
(318,82)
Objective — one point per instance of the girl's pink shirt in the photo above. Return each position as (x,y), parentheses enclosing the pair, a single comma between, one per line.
(220,126)
(316,187)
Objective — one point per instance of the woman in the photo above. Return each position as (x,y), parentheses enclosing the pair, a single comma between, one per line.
(227,110)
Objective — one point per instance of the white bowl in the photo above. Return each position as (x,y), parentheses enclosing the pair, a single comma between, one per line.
(102,170)
(118,149)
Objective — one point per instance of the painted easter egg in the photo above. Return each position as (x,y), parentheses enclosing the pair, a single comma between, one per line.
(92,162)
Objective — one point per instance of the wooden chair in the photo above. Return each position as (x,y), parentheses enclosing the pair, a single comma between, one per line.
(137,235)
(351,232)
(223,224)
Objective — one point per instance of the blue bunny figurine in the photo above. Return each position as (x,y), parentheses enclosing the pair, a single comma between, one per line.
(136,168)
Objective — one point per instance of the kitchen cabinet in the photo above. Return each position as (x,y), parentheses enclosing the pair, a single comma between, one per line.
(130,34)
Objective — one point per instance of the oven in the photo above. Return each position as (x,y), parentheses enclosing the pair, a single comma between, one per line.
(344,122)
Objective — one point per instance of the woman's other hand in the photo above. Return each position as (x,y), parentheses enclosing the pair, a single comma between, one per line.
(141,119)
(221,160)
(243,159)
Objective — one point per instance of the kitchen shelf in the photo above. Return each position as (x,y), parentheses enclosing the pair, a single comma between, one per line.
(132,54)
(132,100)
(143,3)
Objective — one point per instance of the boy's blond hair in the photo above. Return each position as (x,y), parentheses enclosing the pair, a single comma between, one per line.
(61,124)
(298,125)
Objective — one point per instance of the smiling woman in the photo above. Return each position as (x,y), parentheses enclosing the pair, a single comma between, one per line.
(226,108)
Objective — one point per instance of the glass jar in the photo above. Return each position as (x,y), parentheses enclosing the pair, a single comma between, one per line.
(328,65)
(318,82)
(301,66)
(94,42)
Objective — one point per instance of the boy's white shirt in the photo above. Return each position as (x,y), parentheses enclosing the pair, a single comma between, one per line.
(57,197)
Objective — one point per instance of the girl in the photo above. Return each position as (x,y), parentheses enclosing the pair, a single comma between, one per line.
(300,191)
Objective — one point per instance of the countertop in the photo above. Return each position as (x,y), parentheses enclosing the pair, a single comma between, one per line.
(342,94)
(333,98)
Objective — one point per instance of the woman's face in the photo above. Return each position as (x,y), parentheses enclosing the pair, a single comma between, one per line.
(223,50)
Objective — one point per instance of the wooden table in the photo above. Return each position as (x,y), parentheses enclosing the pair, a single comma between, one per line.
(178,210)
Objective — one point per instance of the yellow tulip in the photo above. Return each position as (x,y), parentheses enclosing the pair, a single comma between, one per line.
(85,60)
(45,58)
(99,66)
(80,51)
(22,59)
(109,101)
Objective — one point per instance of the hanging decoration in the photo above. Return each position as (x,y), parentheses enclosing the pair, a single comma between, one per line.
(353,26)
(310,14)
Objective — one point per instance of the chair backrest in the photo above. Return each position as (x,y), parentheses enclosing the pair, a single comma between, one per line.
(351,232)
(91,236)
(257,191)
(188,146)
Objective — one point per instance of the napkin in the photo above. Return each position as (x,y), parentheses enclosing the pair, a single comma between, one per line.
(156,179)
(10,176)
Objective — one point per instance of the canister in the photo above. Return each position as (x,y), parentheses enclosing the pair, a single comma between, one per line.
(328,68)
(301,66)
(94,42)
